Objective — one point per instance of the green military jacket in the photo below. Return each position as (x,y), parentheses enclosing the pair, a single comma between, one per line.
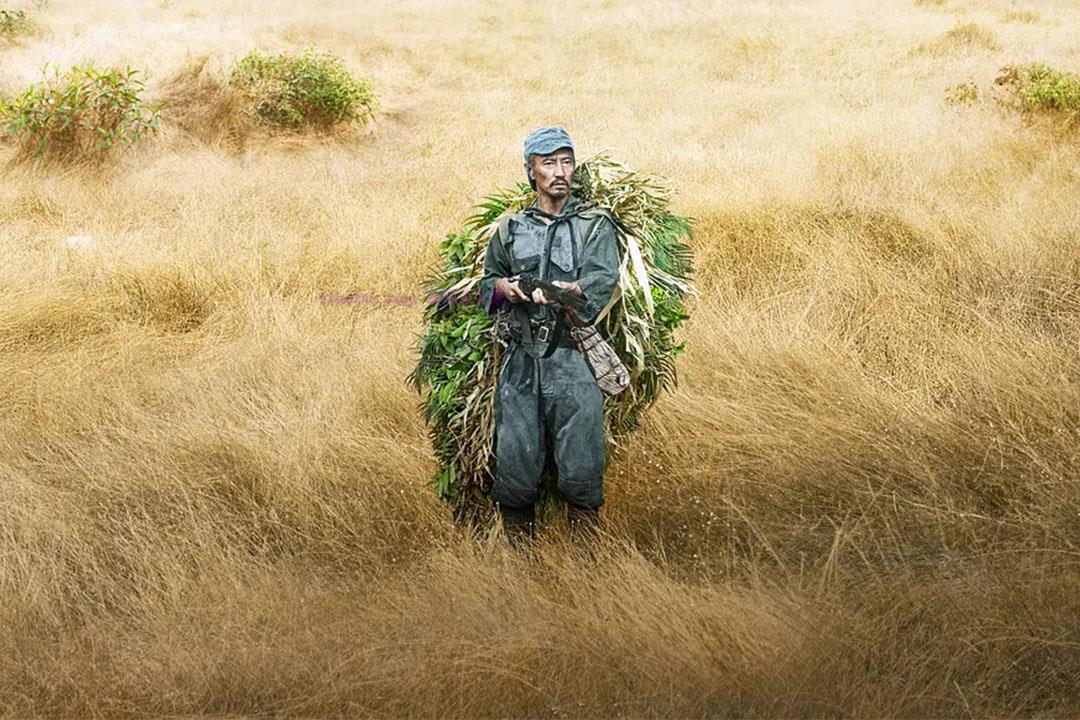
(556,251)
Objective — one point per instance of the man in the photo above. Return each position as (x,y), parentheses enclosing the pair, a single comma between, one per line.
(554,400)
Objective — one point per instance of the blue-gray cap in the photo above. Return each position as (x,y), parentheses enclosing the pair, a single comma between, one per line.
(544,141)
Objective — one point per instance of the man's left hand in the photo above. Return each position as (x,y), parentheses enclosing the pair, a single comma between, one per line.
(572,287)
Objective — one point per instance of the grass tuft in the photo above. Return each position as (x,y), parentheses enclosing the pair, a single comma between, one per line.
(1027,17)
(199,102)
(15,24)
(965,93)
(963,38)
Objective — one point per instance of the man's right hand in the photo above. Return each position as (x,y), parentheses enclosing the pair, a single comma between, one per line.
(511,290)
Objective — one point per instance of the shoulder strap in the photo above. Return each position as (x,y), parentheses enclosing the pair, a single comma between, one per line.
(505,229)
(592,219)
(592,216)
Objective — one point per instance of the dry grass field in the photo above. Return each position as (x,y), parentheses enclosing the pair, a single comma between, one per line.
(863,500)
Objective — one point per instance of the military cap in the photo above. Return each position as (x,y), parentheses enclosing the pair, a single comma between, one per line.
(546,140)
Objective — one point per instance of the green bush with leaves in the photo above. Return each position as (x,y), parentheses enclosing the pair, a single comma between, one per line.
(80,114)
(14,23)
(1037,87)
(312,88)
(459,355)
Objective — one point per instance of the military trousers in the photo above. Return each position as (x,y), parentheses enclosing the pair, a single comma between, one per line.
(547,405)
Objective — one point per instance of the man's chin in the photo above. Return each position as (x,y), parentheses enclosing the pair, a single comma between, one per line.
(559,191)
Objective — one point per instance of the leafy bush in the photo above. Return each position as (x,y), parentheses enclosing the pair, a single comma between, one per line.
(80,114)
(308,89)
(14,23)
(1037,87)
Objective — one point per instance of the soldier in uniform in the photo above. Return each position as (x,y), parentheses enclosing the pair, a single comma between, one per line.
(546,397)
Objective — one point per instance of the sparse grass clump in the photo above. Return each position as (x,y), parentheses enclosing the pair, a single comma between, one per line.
(1021,16)
(14,23)
(1039,88)
(80,114)
(200,103)
(309,89)
(962,38)
(962,94)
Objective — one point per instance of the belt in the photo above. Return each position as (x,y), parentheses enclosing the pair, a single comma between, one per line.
(544,330)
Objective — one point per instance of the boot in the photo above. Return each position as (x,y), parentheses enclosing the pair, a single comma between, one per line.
(584,523)
(519,524)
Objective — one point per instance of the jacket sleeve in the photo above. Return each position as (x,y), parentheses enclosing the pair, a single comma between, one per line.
(599,274)
(496,265)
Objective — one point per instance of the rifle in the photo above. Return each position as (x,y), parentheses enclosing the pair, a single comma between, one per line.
(604,363)
(529,282)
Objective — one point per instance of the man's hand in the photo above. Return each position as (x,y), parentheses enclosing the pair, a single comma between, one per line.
(572,287)
(539,298)
(511,290)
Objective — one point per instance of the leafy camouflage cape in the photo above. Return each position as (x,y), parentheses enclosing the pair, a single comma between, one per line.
(459,354)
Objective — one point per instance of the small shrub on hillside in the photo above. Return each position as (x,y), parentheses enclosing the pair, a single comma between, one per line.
(311,88)
(79,114)
(14,23)
(962,94)
(1037,87)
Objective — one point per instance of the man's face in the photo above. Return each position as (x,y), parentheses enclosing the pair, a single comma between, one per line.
(553,172)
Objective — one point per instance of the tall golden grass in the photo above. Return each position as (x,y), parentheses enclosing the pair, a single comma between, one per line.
(862,500)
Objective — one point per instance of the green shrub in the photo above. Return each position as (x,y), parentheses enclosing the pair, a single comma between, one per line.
(1037,87)
(79,114)
(14,23)
(312,88)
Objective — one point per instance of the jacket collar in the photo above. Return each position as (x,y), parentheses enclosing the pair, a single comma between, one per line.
(572,207)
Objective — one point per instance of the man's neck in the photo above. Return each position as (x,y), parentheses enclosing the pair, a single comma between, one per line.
(552,205)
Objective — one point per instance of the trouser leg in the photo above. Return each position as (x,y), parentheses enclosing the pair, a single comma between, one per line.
(519,434)
(574,415)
